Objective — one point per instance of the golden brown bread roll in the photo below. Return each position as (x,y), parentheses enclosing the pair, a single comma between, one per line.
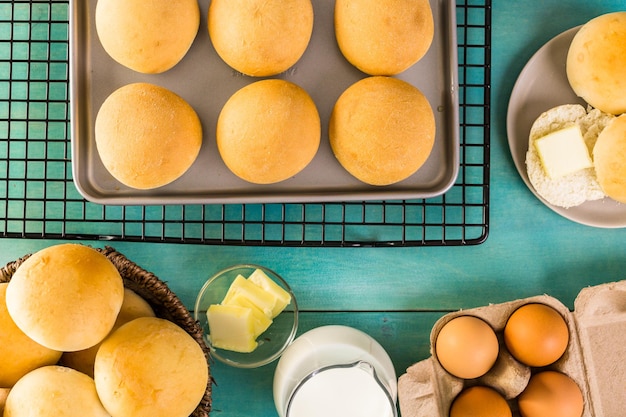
(147,136)
(53,391)
(133,307)
(609,155)
(150,367)
(383,37)
(268,131)
(65,297)
(596,62)
(147,36)
(260,37)
(4,393)
(382,130)
(19,354)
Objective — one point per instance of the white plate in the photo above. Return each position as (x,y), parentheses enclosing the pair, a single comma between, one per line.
(541,85)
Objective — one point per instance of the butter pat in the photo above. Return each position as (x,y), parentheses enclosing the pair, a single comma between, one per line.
(261,322)
(265,301)
(232,328)
(563,152)
(247,310)
(281,296)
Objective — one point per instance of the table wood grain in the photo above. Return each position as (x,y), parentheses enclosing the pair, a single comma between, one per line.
(396,294)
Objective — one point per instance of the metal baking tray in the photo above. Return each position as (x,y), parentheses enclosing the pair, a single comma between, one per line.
(206,82)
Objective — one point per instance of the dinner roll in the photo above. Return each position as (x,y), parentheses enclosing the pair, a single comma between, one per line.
(382,130)
(150,367)
(147,136)
(596,62)
(19,354)
(54,391)
(4,393)
(133,307)
(268,131)
(65,297)
(575,188)
(610,159)
(260,37)
(147,36)
(383,37)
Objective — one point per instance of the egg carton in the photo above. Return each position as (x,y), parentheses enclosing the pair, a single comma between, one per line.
(595,357)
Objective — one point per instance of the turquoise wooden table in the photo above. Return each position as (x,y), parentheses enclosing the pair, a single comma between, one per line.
(393,293)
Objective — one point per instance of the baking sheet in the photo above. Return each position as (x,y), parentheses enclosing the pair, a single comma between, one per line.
(206,83)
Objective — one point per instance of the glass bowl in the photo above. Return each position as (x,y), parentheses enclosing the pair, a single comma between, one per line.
(271,343)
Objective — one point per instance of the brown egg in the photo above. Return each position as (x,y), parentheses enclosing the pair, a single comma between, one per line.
(536,334)
(551,394)
(467,347)
(480,401)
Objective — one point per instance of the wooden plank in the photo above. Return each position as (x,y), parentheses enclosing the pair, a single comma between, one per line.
(248,392)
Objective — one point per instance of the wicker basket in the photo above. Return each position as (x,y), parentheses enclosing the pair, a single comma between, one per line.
(164,302)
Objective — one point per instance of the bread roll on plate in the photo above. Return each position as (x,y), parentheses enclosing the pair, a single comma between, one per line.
(65,297)
(147,36)
(147,136)
(610,159)
(577,187)
(54,391)
(382,130)
(260,37)
(268,131)
(383,37)
(596,62)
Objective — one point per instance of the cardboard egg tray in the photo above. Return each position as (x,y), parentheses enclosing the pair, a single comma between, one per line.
(595,357)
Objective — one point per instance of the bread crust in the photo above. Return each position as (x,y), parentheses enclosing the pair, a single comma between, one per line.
(382,130)
(147,136)
(610,159)
(596,62)
(383,37)
(65,297)
(150,367)
(19,354)
(134,306)
(147,36)
(53,391)
(260,37)
(268,131)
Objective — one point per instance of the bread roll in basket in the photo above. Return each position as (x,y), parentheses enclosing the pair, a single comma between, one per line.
(165,303)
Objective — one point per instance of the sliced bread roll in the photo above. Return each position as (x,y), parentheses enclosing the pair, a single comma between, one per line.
(572,189)
(260,38)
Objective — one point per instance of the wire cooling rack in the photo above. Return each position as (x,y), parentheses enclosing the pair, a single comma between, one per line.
(38,198)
